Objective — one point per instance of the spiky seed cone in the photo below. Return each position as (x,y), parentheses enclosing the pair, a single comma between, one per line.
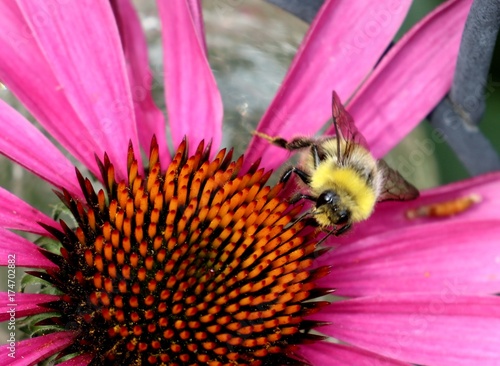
(200,264)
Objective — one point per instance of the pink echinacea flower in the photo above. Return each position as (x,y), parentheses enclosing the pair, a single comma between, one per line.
(194,260)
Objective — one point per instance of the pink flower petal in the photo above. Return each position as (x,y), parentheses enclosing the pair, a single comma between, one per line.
(24,70)
(82,360)
(24,252)
(343,44)
(149,118)
(31,351)
(86,56)
(394,215)
(432,330)
(324,353)
(21,304)
(193,100)
(28,147)
(16,214)
(463,259)
(199,26)
(411,79)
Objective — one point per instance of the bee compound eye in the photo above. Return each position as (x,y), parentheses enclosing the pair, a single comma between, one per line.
(343,217)
(326,198)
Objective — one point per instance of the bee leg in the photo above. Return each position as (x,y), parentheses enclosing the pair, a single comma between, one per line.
(300,196)
(305,177)
(311,222)
(343,229)
(328,234)
(294,144)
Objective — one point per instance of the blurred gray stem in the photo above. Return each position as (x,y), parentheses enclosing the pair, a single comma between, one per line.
(305,10)
(473,64)
(459,113)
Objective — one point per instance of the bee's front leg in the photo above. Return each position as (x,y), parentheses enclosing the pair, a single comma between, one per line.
(343,229)
(300,196)
(296,143)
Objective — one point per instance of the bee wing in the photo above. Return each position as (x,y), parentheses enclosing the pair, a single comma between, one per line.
(395,187)
(345,128)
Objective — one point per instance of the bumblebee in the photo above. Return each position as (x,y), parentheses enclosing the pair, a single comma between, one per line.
(342,177)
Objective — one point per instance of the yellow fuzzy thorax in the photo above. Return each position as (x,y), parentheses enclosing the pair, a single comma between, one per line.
(361,197)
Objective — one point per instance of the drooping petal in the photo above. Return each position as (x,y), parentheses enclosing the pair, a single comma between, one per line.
(421,329)
(193,101)
(82,360)
(15,214)
(28,147)
(411,80)
(458,257)
(395,215)
(85,54)
(22,251)
(22,304)
(323,353)
(199,25)
(149,118)
(25,71)
(31,351)
(341,47)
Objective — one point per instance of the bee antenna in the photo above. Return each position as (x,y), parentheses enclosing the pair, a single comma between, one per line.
(300,218)
(330,233)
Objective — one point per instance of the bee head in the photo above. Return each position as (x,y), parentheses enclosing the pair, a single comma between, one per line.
(331,205)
